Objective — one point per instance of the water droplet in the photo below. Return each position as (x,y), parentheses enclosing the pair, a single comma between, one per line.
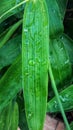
(54,11)
(63,99)
(26,43)
(62,38)
(25,30)
(55,104)
(61,49)
(31,62)
(34,1)
(26,73)
(66,95)
(67,61)
(30,115)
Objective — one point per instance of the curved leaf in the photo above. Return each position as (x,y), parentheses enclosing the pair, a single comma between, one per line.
(10,83)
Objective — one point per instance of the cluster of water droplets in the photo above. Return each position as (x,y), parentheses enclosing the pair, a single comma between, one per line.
(63,100)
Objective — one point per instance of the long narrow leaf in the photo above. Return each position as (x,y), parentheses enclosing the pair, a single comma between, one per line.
(35,62)
(10,83)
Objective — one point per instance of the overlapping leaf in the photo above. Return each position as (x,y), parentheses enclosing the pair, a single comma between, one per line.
(10,51)
(10,83)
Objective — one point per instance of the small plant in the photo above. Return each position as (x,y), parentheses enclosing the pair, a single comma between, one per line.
(36,63)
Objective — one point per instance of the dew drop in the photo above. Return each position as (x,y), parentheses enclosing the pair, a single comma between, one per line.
(29,115)
(25,30)
(26,73)
(55,104)
(66,95)
(63,99)
(67,61)
(61,49)
(62,38)
(31,62)
(54,11)
(34,1)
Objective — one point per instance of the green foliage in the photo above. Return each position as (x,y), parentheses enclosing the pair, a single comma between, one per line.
(6,5)
(66,98)
(62,7)
(10,51)
(10,83)
(55,21)
(24,78)
(60,61)
(9,117)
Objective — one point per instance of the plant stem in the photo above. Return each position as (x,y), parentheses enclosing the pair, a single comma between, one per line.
(57,96)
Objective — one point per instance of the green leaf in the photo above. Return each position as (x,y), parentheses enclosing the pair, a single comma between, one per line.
(60,62)
(68,42)
(9,117)
(10,83)
(62,7)
(10,51)
(14,117)
(35,62)
(55,21)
